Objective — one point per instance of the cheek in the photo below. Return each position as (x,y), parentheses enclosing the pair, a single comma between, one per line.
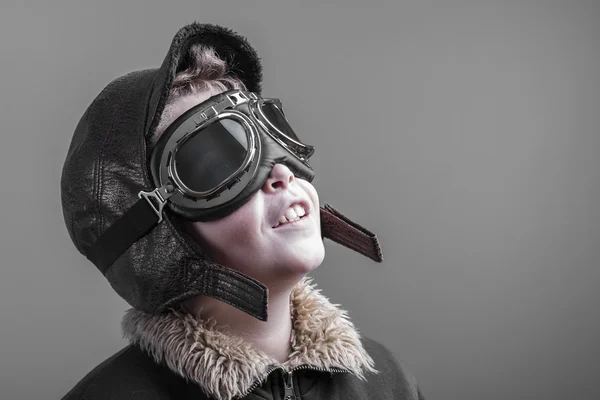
(311,191)
(240,232)
(237,229)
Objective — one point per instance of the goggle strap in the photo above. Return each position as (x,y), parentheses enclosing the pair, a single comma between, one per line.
(342,230)
(119,237)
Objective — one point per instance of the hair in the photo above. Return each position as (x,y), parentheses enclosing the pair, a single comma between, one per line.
(206,73)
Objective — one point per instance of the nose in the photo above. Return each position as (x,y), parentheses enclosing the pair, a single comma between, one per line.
(280,178)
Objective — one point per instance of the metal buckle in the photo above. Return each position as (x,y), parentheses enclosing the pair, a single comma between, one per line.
(158,198)
(237,98)
(231,100)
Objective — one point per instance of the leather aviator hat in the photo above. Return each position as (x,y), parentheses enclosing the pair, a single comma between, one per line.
(147,257)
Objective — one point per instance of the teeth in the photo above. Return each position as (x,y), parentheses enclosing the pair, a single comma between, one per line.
(299,210)
(293,213)
(290,214)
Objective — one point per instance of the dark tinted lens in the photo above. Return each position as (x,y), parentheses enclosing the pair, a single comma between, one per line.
(277,119)
(211,155)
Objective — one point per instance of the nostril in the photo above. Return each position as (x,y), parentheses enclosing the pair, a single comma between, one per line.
(277,184)
(281,176)
(281,183)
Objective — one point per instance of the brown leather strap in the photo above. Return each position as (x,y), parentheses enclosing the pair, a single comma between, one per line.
(342,230)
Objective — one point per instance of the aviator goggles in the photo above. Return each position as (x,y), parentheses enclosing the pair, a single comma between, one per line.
(216,155)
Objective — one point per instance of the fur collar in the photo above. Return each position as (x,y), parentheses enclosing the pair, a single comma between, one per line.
(226,367)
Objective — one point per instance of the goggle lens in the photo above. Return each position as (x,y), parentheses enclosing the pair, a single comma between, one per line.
(275,116)
(220,148)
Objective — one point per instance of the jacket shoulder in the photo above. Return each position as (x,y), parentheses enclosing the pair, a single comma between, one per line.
(128,374)
(392,371)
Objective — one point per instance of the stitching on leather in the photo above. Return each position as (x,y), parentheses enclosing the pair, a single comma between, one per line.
(99,164)
(208,282)
(106,144)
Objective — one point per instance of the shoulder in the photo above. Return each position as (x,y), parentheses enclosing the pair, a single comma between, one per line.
(392,372)
(127,372)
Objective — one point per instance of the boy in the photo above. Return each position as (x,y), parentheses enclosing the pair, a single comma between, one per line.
(191,193)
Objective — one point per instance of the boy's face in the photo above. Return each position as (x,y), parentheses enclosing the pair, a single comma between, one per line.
(249,240)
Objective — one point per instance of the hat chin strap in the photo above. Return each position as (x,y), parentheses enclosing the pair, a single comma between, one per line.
(339,228)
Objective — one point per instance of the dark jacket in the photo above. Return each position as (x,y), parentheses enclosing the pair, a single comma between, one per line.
(178,356)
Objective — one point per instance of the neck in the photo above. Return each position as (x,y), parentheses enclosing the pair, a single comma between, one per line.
(271,336)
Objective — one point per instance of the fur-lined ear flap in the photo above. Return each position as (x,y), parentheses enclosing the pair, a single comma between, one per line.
(342,230)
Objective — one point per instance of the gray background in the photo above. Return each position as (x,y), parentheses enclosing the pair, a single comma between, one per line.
(464,133)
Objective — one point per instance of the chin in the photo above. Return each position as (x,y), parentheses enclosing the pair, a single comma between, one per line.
(299,261)
(310,259)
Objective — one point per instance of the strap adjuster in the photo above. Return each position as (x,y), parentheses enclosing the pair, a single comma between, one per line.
(157,198)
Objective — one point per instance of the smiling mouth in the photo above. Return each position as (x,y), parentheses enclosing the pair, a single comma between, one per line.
(294,213)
